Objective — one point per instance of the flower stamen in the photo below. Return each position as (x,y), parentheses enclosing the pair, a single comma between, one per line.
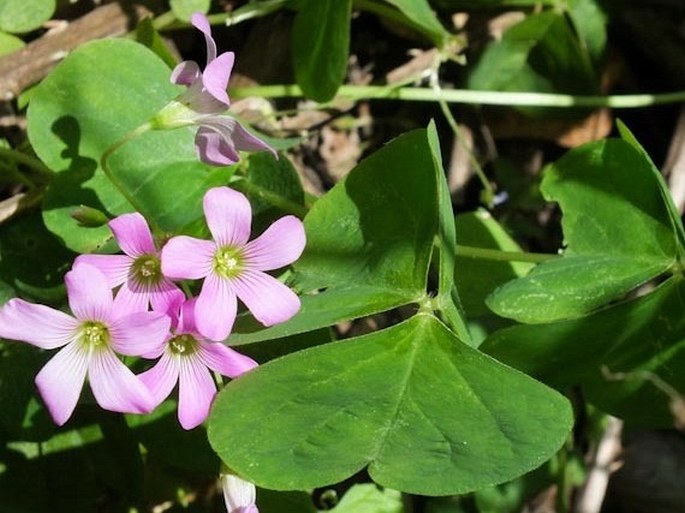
(94,334)
(146,270)
(183,344)
(228,262)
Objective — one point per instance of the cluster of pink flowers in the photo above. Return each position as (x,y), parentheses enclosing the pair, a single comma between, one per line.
(149,316)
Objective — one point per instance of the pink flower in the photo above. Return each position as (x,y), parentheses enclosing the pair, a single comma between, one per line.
(137,271)
(233,267)
(89,339)
(219,137)
(187,358)
(239,495)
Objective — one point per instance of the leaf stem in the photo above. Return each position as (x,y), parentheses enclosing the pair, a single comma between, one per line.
(467,96)
(503,256)
(286,205)
(114,180)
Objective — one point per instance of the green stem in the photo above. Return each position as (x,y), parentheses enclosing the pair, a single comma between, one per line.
(111,176)
(467,96)
(274,199)
(27,160)
(503,256)
(487,186)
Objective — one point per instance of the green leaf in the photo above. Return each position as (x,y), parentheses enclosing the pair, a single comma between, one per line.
(590,21)
(184,9)
(368,498)
(617,230)
(9,43)
(540,53)
(476,278)
(448,300)
(421,14)
(99,93)
(320,46)
(673,213)
(643,338)
(376,227)
(19,16)
(422,409)
(369,239)
(367,246)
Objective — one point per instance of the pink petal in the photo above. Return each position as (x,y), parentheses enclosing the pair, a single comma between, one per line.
(229,216)
(196,389)
(186,73)
(130,298)
(90,297)
(139,333)
(114,267)
(201,23)
(239,494)
(224,360)
(215,309)
(161,379)
(236,134)
(187,258)
(186,320)
(216,75)
(212,148)
(115,387)
(166,296)
(38,325)
(268,299)
(60,381)
(281,244)
(133,235)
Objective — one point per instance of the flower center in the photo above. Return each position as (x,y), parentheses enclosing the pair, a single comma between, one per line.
(94,334)
(228,262)
(183,344)
(146,270)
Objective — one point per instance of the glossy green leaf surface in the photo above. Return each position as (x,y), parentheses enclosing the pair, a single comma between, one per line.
(102,91)
(369,240)
(320,46)
(642,337)
(617,229)
(424,411)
